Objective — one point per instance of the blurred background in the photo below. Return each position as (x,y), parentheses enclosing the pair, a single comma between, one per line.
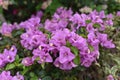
(20,10)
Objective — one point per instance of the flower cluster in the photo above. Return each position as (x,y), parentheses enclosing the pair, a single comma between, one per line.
(8,56)
(6,29)
(32,39)
(6,75)
(65,30)
(59,20)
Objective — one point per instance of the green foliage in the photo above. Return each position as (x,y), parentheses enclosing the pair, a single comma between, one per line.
(52,8)
(10,66)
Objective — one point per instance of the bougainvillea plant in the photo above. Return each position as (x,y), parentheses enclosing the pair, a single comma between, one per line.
(66,41)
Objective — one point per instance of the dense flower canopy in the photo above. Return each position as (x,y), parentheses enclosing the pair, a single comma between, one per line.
(61,40)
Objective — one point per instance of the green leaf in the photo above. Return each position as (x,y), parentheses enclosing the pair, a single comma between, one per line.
(10,66)
(34,78)
(42,73)
(32,74)
(96,25)
(1,9)
(39,6)
(43,65)
(90,47)
(17,58)
(107,70)
(114,69)
(47,78)
(54,5)
(74,50)
(88,21)
(77,60)
(117,60)
(25,70)
(17,32)
(68,44)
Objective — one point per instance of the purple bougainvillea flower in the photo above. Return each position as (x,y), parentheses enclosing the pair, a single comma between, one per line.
(110,77)
(102,14)
(108,44)
(2,61)
(6,29)
(26,44)
(104,41)
(27,61)
(87,60)
(85,17)
(95,54)
(102,37)
(7,56)
(92,39)
(18,77)
(77,19)
(62,23)
(30,24)
(88,57)
(32,39)
(102,27)
(90,27)
(118,13)
(64,66)
(10,54)
(64,13)
(42,53)
(42,48)
(5,75)
(65,55)
(109,16)
(77,41)
(59,37)
(68,65)
(50,26)
(38,14)
(95,18)
(59,20)
(45,57)
(13,49)
(57,62)
(109,22)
